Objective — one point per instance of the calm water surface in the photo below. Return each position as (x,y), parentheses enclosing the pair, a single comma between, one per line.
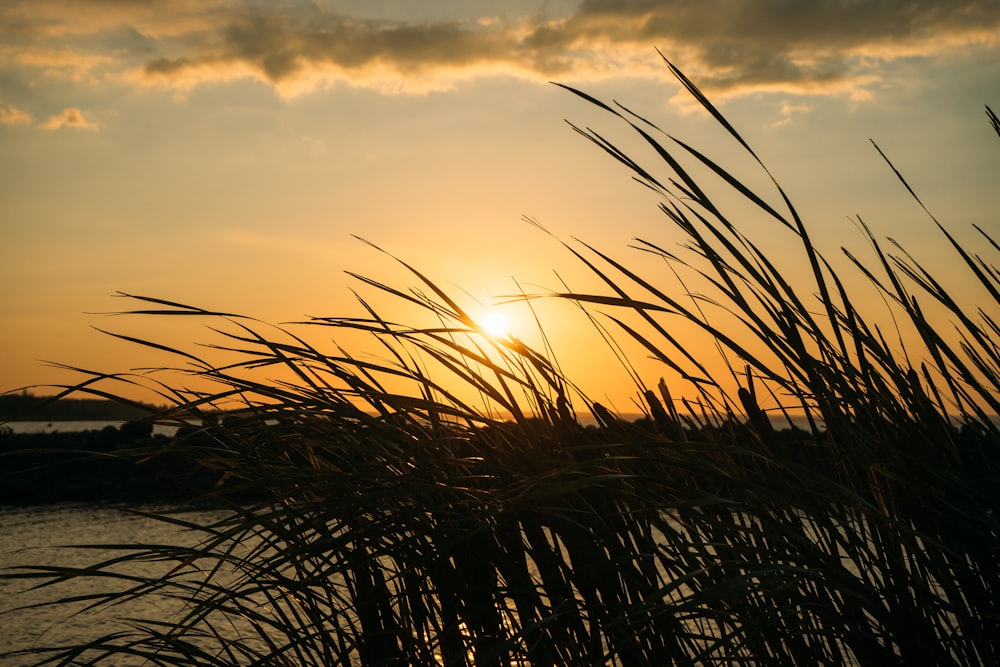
(35,536)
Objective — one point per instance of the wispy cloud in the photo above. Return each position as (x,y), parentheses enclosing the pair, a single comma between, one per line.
(252,240)
(10,115)
(734,46)
(57,62)
(788,111)
(72,118)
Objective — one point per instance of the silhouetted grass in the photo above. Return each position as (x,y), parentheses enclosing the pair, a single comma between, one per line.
(396,523)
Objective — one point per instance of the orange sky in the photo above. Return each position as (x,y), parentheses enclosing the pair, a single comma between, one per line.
(223,153)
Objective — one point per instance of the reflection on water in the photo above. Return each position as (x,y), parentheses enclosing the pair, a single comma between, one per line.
(34,535)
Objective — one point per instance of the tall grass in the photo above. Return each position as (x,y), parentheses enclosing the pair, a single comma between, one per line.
(379,518)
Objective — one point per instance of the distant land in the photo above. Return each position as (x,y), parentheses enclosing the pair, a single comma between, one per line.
(28,407)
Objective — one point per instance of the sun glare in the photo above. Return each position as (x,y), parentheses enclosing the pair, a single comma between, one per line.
(495,324)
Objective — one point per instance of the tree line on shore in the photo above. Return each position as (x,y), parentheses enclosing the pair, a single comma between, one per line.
(25,406)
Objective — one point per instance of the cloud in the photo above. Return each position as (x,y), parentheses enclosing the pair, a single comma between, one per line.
(57,63)
(71,117)
(732,47)
(257,241)
(789,110)
(804,47)
(10,115)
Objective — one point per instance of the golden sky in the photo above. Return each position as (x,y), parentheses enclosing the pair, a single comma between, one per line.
(223,153)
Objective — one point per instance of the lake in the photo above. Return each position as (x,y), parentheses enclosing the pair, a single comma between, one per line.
(33,536)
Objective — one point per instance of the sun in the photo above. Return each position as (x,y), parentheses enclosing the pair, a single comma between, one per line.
(495,324)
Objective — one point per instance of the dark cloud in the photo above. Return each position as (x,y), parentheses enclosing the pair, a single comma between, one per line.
(739,43)
(281,46)
(166,65)
(732,45)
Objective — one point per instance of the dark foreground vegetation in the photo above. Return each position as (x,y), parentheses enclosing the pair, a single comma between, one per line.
(407,527)
(97,466)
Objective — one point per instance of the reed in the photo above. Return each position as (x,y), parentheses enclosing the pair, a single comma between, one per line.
(377,518)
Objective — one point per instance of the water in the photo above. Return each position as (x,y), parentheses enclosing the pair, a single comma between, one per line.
(74,426)
(34,535)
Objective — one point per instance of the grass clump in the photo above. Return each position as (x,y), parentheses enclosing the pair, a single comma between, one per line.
(377,518)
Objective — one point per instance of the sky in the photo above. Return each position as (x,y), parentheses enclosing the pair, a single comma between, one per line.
(227,153)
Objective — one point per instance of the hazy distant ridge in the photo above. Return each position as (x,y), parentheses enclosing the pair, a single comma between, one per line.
(28,407)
